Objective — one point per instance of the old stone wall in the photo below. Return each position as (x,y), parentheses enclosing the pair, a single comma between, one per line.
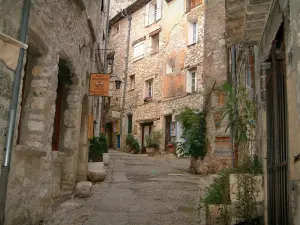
(58,32)
(172,46)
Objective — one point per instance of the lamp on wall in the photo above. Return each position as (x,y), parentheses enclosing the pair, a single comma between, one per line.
(118,83)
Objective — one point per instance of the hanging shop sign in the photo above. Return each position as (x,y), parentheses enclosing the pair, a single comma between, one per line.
(99,84)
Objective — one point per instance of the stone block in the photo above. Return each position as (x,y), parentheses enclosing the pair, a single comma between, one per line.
(83,189)
(35,125)
(106,158)
(96,172)
(216,214)
(38,103)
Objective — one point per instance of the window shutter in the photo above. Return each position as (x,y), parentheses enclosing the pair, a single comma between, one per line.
(190,33)
(188,82)
(179,132)
(159,9)
(197,33)
(146,15)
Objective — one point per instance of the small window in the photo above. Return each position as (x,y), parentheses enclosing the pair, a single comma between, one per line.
(138,50)
(170,68)
(115,29)
(149,88)
(155,43)
(191,81)
(131,82)
(192,33)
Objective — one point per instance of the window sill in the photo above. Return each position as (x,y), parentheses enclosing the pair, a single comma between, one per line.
(153,23)
(30,151)
(190,45)
(138,58)
(131,90)
(154,52)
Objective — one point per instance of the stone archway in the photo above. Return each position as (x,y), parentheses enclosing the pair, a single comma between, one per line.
(83,142)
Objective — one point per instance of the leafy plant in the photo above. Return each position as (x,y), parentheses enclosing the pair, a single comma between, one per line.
(153,140)
(240,112)
(194,132)
(132,144)
(97,146)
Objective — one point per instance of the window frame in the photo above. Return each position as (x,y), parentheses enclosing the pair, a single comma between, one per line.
(132,82)
(189,81)
(155,39)
(147,90)
(193,33)
(115,27)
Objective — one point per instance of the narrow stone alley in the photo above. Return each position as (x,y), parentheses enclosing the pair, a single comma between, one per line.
(138,190)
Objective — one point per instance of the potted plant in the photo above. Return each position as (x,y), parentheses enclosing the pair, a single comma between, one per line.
(153,141)
(172,147)
(132,144)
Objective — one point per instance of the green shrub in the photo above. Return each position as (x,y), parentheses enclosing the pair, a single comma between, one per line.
(97,146)
(153,140)
(194,132)
(132,143)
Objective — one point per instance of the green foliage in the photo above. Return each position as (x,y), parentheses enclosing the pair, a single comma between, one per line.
(218,192)
(97,146)
(194,132)
(153,140)
(132,144)
(240,112)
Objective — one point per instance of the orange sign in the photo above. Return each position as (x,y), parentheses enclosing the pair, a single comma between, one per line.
(99,84)
(91,127)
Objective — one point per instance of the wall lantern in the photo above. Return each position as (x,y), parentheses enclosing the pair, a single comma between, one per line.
(118,83)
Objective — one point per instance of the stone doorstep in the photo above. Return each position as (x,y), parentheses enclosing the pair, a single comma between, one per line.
(30,151)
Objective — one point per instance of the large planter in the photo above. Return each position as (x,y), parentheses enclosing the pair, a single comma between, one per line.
(150,150)
(172,149)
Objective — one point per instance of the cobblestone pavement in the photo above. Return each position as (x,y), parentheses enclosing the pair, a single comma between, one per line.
(139,190)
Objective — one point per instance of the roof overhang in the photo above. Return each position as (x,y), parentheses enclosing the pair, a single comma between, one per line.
(138,4)
(246,20)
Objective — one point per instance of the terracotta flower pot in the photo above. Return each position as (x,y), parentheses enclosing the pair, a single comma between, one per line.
(172,149)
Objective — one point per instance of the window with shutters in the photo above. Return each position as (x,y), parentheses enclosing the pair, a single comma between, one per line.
(153,12)
(191,81)
(138,51)
(192,33)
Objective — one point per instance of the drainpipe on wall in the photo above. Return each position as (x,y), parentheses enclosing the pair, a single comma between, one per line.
(129,18)
(233,70)
(101,99)
(13,113)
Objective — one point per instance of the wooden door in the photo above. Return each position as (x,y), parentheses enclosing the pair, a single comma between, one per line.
(57,118)
(168,130)
(146,130)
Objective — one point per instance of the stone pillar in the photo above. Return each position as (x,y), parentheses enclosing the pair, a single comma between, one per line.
(40,93)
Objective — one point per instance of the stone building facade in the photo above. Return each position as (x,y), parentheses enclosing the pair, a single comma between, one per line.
(175,58)
(50,151)
(265,38)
